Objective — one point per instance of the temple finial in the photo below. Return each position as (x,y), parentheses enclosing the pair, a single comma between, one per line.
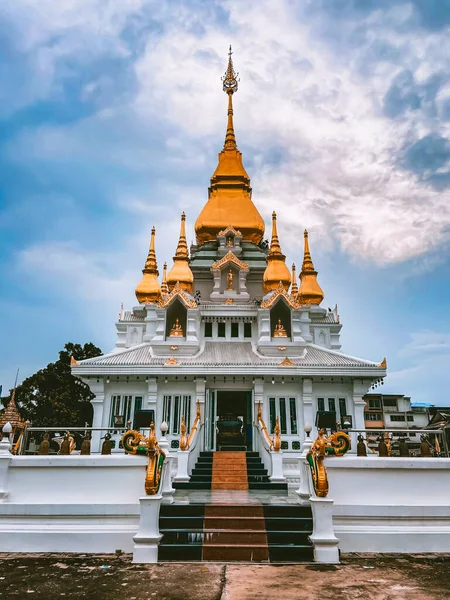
(294,286)
(164,287)
(181,272)
(148,289)
(276,271)
(230,83)
(310,291)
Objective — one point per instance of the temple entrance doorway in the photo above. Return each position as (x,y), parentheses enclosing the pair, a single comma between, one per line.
(229,420)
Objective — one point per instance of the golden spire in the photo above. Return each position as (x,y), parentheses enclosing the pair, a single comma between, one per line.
(10,414)
(181,272)
(310,291)
(294,286)
(148,289)
(229,195)
(230,85)
(164,286)
(276,271)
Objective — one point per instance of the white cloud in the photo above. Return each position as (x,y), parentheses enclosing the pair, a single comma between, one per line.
(338,171)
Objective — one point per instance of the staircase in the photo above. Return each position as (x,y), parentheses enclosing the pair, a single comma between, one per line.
(229,532)
(228,469)
(239,531)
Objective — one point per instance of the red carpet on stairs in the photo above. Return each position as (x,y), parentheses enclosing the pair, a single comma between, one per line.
(229,471)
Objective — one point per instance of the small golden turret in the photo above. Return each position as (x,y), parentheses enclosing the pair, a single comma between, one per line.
(310,291)
(276,270)
(230,194)
(164,286)
(181,272)
(148,289)
(294,286)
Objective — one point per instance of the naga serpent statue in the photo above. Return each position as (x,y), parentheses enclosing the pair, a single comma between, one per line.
(336,444)
(136,443)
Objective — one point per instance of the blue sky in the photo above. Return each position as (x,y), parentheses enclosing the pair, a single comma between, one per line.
(111,117)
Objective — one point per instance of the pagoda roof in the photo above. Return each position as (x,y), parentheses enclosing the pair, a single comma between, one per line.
(229,356)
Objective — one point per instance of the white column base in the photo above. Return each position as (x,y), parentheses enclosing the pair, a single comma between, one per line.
(5,460)
(326,544)
(166,487)
(304,492)
(148,537)
(277,467)
(183,464)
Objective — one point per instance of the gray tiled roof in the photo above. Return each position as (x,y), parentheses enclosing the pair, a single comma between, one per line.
(328,318)
(129,317)
(228,354)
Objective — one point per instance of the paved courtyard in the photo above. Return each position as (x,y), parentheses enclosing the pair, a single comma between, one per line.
(372,577)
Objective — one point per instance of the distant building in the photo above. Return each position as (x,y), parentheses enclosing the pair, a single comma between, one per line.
(394,411)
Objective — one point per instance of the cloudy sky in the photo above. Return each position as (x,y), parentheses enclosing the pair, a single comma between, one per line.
(112,115)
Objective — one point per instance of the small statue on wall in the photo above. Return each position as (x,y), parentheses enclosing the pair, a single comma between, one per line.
(44,445)
(86,445)
(425,449)
(106,446)
(65,446)
(280,331)
(361,447)
(230,243)
(177,330)
(230,278)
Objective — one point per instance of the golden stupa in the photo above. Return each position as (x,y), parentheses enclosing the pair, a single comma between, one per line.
(276,270)
(181,272)
(310,291)
(229,195)
(148,289)
(11,415)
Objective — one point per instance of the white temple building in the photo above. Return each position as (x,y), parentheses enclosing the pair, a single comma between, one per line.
(229,327)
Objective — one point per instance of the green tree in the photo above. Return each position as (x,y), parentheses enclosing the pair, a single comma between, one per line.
(52,397)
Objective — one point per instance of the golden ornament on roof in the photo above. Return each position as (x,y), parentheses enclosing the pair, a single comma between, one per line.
(148,289)
(310,291)
(276,271)
(229,195)
(181,272)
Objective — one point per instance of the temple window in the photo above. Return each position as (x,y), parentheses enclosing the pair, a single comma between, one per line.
(221,329)
(247,330)
(174,407)
(122,409)
(286,411)
(208,330)
(234,330)
(176,319)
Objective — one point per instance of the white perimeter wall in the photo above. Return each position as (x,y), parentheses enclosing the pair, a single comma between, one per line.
(91,503)
(390,504)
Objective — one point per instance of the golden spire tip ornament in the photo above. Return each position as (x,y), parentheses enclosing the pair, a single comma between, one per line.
(148,289)
(276,271)
(229,195)
(310,291)
(181,272)
(294,286)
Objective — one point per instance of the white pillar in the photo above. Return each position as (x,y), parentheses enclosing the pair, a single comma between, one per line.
(360,387)
(304,491)
(5,460)
(308,414)
(148,537)
(166,485)
(277,467)
(183,464)
(326,544)
(98,405)
(152,398)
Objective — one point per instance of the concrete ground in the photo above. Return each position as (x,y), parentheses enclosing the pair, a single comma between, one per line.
(372,577)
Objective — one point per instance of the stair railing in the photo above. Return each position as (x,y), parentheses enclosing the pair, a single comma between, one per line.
(189,447)
(272,457)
